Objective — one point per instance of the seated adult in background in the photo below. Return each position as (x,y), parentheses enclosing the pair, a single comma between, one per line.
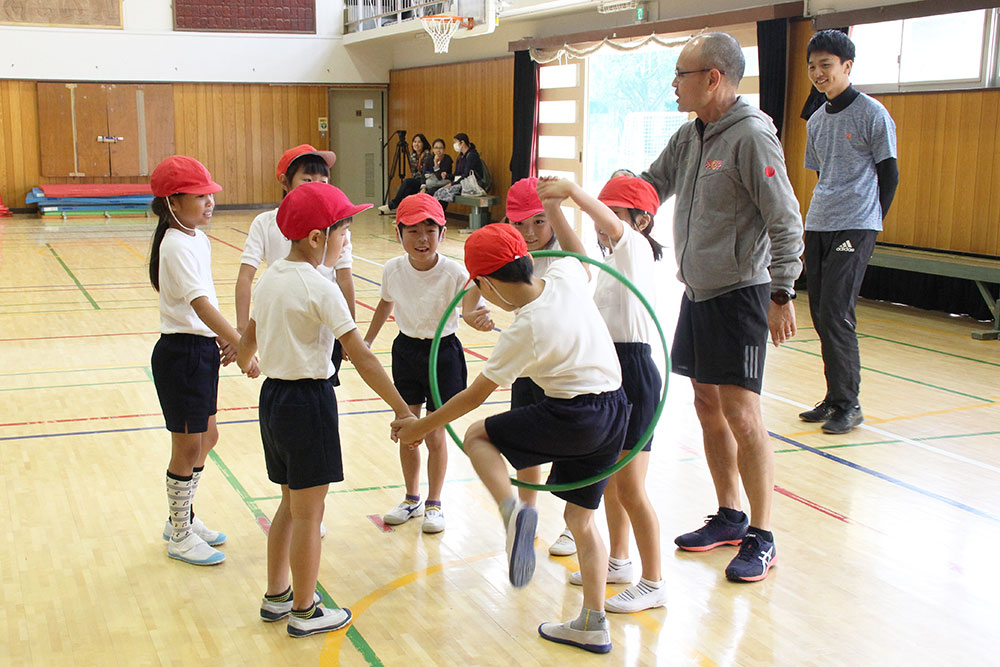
(468,163)
(440,173)
(420,160)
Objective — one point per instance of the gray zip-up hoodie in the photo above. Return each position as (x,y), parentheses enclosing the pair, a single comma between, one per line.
(736,221)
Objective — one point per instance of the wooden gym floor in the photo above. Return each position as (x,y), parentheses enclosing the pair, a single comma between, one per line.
(887,536)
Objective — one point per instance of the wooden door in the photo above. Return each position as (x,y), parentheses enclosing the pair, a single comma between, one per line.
(91,106)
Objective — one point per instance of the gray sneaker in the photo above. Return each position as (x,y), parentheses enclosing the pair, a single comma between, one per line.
(521,544)
(595,641)
(327,620)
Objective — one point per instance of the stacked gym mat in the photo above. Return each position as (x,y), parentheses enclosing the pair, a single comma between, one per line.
(91,200)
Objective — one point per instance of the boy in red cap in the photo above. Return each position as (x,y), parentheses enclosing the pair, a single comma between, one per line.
(418,286)
(265,242)
(559,340)
(297,314)
(185,361)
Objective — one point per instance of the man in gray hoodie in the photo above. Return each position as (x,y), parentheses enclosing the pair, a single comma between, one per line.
(738,241)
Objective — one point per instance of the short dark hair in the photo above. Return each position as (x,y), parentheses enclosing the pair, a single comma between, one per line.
(400,226)
(833,42)
(311,164)
(519,271)
(437,140)
(462,136)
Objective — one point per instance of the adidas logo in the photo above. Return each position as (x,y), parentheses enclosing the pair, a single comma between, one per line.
(845,247)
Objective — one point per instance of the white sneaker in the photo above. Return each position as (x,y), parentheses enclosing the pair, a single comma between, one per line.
(433,520)
(565,545)
(521,544)
(384,210)
(192,549)
(622,575)
(214,538)
(636,598)
(403,512)
(595,641)
(275,611)
(322,530)
(325,621)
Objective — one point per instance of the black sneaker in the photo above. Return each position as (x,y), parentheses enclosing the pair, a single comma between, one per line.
(844,421)
(821,413)
(756,557)
(717,532)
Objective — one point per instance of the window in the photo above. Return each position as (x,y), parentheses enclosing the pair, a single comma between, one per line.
(932,52)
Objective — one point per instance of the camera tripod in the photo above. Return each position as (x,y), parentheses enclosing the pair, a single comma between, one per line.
(397,165)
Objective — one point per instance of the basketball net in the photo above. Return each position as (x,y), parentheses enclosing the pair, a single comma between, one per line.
(441,28)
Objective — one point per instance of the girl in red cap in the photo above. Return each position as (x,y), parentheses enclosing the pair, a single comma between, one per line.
(623,218)
(185,360)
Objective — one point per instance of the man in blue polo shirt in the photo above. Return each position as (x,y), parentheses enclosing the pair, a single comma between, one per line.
(851,144)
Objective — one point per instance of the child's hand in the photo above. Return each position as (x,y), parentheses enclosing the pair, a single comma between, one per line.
(480,319)
(407,430)
(253,371)
(550,187)
(227,351)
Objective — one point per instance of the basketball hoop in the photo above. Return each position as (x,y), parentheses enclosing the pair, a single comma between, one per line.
(442,27)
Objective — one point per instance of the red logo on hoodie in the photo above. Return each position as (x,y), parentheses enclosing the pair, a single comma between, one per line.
(714,165)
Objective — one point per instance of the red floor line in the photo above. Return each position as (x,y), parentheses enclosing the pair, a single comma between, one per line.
(815,506)
(153,414)
(216,238)
(101,335)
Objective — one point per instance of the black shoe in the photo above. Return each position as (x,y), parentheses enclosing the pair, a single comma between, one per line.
(844,421)
(821,413)
(716,532)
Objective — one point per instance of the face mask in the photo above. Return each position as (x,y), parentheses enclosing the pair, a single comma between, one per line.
(457,146)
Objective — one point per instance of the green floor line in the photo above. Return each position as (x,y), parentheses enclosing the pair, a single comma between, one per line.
(890,442)
(352,633)
(75,370)
(70,274)
(931,349)
(905,379)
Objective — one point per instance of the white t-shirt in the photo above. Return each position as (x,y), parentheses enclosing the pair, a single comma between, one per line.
(558,340)
(185,275)
(298,314)
(420,297)
(266,243)
(626,317)
(542,264)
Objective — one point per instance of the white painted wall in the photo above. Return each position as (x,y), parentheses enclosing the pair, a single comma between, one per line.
(148,49)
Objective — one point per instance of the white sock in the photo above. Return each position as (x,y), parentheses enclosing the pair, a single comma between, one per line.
(195,477)
(179,495)
(650,584)
(618,563)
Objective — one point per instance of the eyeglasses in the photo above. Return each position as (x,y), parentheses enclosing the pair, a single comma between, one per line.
(678,73)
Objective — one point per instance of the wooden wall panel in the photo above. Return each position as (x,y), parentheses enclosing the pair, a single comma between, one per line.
(949,161)
(238,130)
(474,97)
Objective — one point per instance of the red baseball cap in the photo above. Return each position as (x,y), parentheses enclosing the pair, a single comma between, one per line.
(180,173)
(491,247)
(293,154)
(314,206)
(523,201)
(418,208)
(630,192)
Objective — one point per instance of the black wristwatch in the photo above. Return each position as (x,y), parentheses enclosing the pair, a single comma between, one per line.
(782,296)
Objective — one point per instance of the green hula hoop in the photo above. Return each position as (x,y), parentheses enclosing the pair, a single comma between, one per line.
(566,486)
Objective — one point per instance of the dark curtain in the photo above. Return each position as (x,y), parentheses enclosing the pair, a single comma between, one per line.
(772,55)
(525,130)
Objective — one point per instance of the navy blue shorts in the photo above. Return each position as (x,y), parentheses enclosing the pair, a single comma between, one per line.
(411,359)
(300,433)
(524,392)
(582,436)
(336,357)
(724,340)
(186,375)
(642,384)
